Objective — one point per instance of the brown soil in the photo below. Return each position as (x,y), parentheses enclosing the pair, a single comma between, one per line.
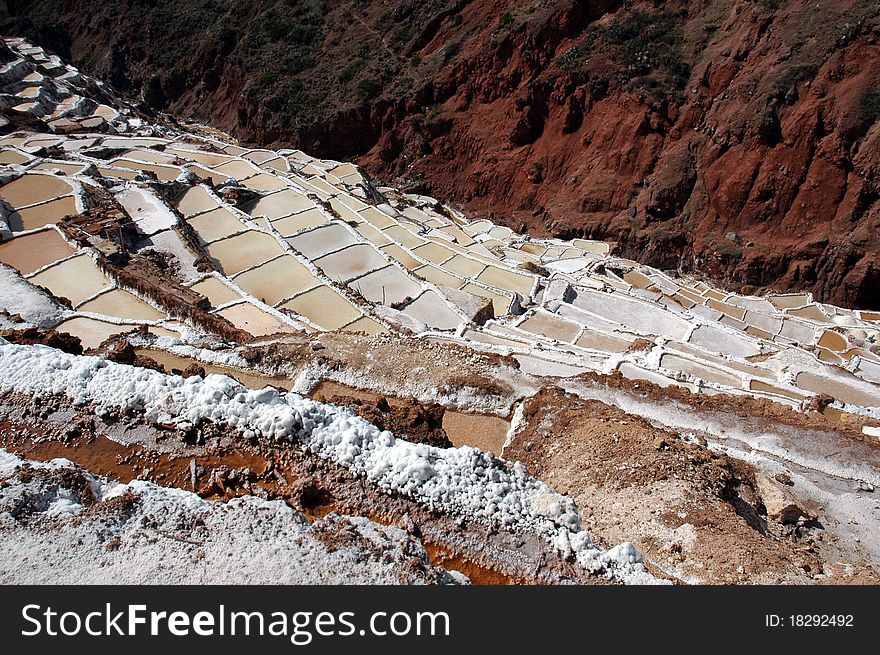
(46,337)
(845,424)
(226,468)
(693,512)
(406,418)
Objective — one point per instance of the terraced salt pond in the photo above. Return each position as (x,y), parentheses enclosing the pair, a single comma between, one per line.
(33,188)
(277,280)
(76,279)
(122,304)
(31,252)
(240,252)
(177,364)
(324,307)
(384,260)
(486,432)
(47,213)
(92,332)
(254,320)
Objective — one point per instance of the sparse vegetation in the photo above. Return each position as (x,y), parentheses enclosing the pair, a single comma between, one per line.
(536,172)
(351,70)
(863,115)
(369,87)
(793,76)
(450,50)
(645,46)
(729,250)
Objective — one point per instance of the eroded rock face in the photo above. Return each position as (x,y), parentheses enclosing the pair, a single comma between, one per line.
(661,128)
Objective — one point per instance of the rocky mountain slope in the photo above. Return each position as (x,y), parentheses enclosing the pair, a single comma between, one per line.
(736,138)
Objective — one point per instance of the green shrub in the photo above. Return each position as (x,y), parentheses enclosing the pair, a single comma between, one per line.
(536,172)
(452,48)
(647,47)
(351,70)
(729,250)
(794,75)
(369,87)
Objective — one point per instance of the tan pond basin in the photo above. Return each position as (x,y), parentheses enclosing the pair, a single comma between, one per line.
(42,215)
(259,155)
(603,342)
(403,236)
(254,320)
(310,188)
(277,164)
(433,252)
(344,169)
(207,174)
(121,174)
(251,380)
(92,333)
(430,309)
(351,262)
(374,236)
(163,173)
(215,291)
(833,341)
(387,286)
(346,213)
(500,303)
(323,307)
(406,260)
(324,186)
(464,266)
(263,182)
(66,167)
(149,156)
(33,251)
(366,325)
(92,122)
(401,256)
(439,277)
(204,158)
(276,280)
(292,224)
(237,168)
(276,205)
(136,142)
(376,218)
(243,251)
(486,432)
(195,200)
(216,224)
(703,371)
(32,188)
(810,312)
(13,140)
(551,326)
(122,304)
(759,385)
(789,300)
(75,279)
(318,242)
(14,157)
(839,389)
